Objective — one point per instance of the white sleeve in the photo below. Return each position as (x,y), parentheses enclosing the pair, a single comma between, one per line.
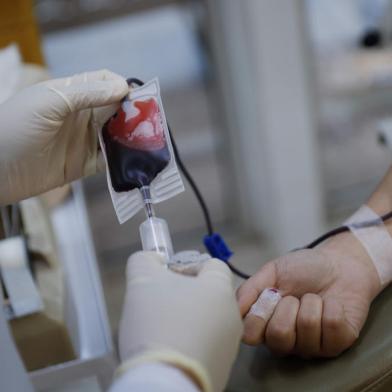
(153,377)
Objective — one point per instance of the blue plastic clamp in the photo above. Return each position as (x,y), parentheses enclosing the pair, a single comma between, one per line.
(217,247)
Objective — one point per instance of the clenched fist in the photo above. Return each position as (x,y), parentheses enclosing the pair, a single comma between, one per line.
(326,294)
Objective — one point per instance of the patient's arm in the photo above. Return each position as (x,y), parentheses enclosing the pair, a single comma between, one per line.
(381,199)
(326,293)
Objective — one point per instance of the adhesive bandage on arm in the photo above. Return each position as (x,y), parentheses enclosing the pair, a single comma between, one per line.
(266,303)
(371,232)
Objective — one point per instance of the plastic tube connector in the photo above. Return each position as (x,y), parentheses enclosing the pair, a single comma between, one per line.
(217,247)
(155,236)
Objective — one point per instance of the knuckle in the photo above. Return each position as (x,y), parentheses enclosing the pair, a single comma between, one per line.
(251,339)
(308,323)
(282,270)
(305,349)
(306,355)
(337,349)
(310,297)
(294,302)
(333,323)
(279,333)
(333,352)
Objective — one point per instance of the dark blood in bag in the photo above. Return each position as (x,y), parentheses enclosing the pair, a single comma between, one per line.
(135,143)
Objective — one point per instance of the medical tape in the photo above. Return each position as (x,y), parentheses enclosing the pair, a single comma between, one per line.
(371,232)
(266,303)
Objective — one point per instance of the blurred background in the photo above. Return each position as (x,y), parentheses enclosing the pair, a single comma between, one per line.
(276,108)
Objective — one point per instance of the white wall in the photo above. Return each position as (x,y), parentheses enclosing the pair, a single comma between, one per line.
(155,43)
(263,61)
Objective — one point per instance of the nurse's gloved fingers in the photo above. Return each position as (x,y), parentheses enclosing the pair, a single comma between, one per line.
(101,164)
(94,76)
(83,77)
(308,340)
(250,290)
(258,316)
(91,89)
(280,335)
(215,269)
(102,114)
(337,333)
(142,265)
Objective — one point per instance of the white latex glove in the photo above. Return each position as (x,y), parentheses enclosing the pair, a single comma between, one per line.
(191,322)
(48,132)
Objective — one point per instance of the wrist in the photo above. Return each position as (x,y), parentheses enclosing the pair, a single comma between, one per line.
(346,248)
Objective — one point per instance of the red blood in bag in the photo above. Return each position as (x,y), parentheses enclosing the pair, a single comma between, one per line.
(139,126)
(135,145)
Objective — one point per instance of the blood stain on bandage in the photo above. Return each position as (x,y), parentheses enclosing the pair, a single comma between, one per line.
(135,144)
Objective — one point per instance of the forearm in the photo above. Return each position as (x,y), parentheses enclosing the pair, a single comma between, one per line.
(347,243)
(381,199)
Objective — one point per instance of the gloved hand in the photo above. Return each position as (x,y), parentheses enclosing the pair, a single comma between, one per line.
(191,322)
(48,132)
(326,297)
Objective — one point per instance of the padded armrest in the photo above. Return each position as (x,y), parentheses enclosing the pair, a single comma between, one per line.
(367,366)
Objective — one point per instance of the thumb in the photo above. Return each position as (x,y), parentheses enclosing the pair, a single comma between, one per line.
(215,269)
(90,89)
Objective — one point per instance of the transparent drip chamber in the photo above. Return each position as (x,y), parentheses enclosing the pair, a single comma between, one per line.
(154,231)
